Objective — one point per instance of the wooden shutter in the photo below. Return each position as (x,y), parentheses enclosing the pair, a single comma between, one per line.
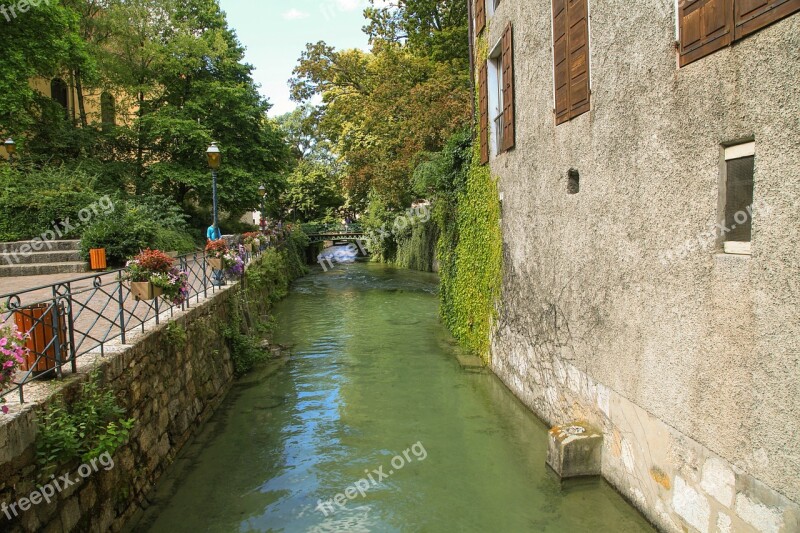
(571,58)
(508,89)
(752,15)
(480,16)
(483,112)
(578,42)
(705,27)
(561,60)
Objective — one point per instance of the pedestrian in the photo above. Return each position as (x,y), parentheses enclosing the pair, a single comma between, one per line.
(213,233)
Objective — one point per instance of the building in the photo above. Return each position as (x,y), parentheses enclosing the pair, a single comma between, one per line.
(647,156)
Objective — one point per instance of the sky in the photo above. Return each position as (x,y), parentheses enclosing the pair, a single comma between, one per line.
(275,32)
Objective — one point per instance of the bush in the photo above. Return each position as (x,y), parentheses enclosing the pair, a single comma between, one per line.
(138,223)
(91,426)
(33,200)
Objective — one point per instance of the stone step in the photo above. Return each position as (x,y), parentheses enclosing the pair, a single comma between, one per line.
(40,257)
(46,246)
(39,269)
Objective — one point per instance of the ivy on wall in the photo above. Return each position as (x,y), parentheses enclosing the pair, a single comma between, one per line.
(470,249)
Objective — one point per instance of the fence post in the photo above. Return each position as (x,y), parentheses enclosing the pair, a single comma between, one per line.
(121,303)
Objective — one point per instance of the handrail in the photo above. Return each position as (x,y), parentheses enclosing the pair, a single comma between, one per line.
(69,319)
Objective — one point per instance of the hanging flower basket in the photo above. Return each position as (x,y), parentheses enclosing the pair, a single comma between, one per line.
(145,290)
(248,247)
(152,274)
(215,263)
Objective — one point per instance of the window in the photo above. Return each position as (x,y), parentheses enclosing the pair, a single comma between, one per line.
(58,91)
(706,26)
(495,82)
(571,58)
(737,198)
(496,98)
(491,6)
(108,112)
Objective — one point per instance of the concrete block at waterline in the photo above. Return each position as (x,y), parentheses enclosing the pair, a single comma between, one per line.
(575,450)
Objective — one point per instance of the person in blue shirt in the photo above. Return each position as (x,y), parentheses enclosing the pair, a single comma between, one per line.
(213,233)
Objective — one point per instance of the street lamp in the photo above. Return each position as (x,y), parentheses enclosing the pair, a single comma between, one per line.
(214,161)
(11,149)
(262,220)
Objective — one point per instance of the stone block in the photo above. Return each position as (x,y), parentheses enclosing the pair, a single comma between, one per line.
(575,450)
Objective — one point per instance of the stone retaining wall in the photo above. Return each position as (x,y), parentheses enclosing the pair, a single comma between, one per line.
(169,390)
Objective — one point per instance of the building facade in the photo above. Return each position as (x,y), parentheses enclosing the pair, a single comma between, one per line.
(647,158)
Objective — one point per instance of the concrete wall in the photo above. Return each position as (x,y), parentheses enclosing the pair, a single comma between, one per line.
(690,365)
(170,390)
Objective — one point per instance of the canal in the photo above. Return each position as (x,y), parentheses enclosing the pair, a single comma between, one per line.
(371,425)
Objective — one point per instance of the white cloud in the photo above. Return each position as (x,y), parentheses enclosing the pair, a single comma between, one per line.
(295,14)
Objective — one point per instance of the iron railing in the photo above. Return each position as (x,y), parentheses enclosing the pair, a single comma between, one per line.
(67,320)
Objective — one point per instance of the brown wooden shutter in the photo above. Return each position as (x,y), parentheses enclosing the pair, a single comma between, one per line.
(483,106)
(578,43)
(752,15)
(480,16)
(561,60)
(508,89)
(705,27)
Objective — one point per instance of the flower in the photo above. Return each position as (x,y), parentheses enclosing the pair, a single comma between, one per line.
(158,268)
(12,354)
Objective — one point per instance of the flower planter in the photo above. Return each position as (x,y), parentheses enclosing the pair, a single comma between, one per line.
(144,290)
(37,322)
(248,247)
(215,262)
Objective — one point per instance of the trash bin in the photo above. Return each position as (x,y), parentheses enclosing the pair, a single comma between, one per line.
(37,322)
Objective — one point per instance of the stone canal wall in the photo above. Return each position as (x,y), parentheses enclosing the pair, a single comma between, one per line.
(170,388)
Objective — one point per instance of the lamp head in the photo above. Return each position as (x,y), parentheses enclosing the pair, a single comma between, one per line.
(262,189)
(11,146)
(214,156)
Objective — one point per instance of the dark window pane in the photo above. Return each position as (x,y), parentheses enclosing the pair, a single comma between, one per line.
(739,199)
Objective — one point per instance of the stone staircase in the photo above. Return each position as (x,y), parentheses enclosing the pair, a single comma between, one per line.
(52,257)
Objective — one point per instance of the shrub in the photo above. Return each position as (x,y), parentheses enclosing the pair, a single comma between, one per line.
(92,425)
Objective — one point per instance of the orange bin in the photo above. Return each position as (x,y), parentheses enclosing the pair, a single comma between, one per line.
(37,322)
(97,259)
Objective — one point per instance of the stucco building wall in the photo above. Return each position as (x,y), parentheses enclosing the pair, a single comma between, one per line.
(689,361)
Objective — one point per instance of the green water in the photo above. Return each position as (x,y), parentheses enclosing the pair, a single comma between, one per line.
(373,375)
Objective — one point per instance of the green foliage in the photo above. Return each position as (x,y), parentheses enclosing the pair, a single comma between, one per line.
(135,224)
(381,108)
(416,248)
(312,190)
(272,273)
(90,426)
(467,211)
(34,200)
(176,335)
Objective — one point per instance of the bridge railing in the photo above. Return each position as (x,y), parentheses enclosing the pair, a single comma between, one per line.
(312,228)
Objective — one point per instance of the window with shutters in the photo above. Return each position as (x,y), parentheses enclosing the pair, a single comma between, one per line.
(571,58)
(495,80)
(496,98)
(737,197)
(706,26)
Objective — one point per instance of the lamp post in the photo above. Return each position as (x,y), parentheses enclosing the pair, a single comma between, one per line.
(11,149)
(262,219)
(214,161)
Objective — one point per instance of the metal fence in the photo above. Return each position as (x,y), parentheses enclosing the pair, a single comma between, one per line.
(70,319)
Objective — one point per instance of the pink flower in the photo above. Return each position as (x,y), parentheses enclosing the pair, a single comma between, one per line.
(4,409)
